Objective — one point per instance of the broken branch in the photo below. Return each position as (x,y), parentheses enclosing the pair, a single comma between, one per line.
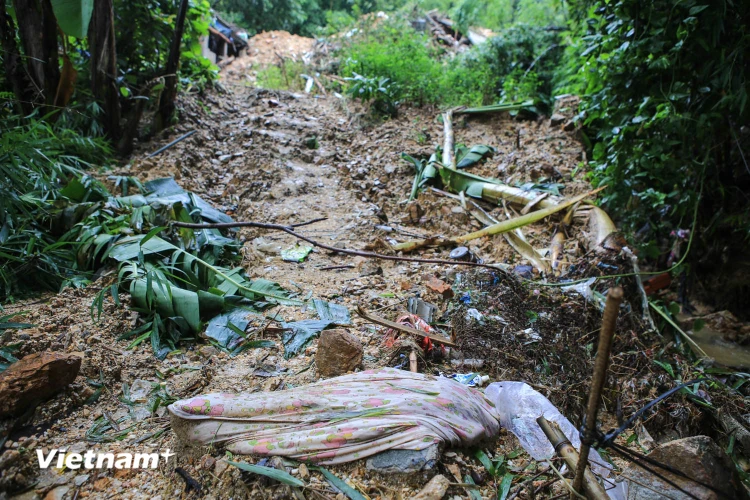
(359,253)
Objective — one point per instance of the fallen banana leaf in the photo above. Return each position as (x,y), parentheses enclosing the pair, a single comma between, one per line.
(517,240)
(601,229)
(466,158)
(498,228)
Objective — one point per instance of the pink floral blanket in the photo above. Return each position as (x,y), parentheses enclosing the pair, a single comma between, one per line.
(340,419)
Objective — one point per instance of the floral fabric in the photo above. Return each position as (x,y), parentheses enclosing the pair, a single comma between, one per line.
(340,419)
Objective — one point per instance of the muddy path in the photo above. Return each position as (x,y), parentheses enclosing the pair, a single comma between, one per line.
(283,158)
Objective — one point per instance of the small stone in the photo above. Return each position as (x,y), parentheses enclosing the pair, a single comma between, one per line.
(225,158)
(207,462)
(221,467)
(8,458)
(556,120)
(435,489)
(303,471)
(79,480)
(339,352)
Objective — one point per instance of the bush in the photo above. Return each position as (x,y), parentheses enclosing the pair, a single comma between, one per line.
(424,73)
(666,93)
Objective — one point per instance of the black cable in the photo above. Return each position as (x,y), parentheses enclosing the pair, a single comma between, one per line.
(608,439)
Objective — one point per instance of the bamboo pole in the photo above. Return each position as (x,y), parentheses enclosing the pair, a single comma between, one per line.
(591,487)
(611,309)
(448,159)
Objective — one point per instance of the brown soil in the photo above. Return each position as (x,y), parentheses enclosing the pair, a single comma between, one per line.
(356,179)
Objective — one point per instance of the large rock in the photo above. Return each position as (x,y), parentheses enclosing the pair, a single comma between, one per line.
(404,461)
(697,457)
(339,352)
(35,378)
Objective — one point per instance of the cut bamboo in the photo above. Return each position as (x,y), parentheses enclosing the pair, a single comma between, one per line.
(501,227)
(591,487)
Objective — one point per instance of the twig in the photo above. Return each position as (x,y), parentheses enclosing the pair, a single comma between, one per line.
(164,148)
(397,326)
(190,483)
(360,253)
(331,268)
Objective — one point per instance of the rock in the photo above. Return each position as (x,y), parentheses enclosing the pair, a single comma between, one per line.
(303,471)
(435,489)
(79,480)
(569,126)
(207,462)
(699,458)
(58,493)
(339,352)
(556,119)
(405,461)
(8,458)
(35,378)
(221,467)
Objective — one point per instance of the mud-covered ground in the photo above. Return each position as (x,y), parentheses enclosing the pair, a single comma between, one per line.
(251,157)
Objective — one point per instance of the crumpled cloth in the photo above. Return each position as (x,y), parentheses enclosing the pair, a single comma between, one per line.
(340,419)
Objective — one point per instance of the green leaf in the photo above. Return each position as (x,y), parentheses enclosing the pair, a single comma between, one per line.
(474,155)
(73,16)
(485,460)
(333,313)
(340,484)
(474,493)
(275,474)
(297,253)
(504,488)
(300,334)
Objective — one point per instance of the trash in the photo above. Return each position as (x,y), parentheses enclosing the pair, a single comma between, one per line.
(342,419)
(462,253)
(473,314)
(263,245)
(297,253)
(339,352)
(35,378)
(467,363)
(424,310)
(518,407)
(470,379)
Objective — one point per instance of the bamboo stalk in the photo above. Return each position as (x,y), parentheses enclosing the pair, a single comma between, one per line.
(560,442)
(448,159)
(501,227)
(609,321)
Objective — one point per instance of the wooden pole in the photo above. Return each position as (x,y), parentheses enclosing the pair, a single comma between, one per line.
(609,321)
(591,487)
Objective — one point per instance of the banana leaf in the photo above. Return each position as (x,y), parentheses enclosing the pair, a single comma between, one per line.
(466,158)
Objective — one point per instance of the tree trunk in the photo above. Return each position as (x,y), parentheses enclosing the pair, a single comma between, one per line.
(37,27)
(169,94)
(14,73)
(104,65)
